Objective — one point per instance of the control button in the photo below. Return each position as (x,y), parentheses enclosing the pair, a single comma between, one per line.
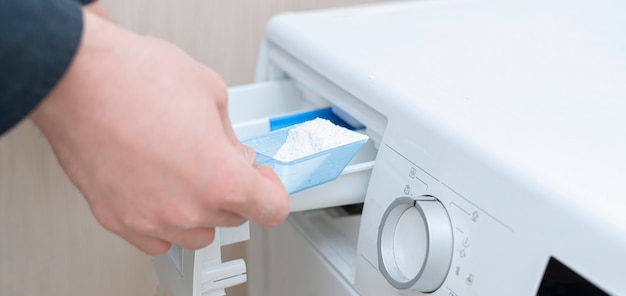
(412,172)
(466,242)
(415,243)
(470,279)
(475,216)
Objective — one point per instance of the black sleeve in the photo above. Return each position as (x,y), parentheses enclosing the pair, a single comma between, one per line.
(38,39)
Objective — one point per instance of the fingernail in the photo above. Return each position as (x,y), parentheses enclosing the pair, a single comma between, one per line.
(248,153)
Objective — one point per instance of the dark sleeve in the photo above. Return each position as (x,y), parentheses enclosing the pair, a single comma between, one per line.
(38,39)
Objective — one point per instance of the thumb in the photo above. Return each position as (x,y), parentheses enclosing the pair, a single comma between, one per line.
(267,201)
(273,198)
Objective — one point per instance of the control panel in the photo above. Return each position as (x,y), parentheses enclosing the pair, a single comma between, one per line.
(415,243)
(429,238)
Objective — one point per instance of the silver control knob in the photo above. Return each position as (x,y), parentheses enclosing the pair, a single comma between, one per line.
(415,243)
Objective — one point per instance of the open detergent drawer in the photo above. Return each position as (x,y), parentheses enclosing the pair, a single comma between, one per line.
(260,108)
(255,110)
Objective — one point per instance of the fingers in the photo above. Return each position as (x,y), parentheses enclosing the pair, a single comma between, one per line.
(180,231)
(192,239)
(254,193)
(270,200)
(228,128)
(248,153)
(266,204)
(220,96)
(258,195)
(149,245)
(265,200)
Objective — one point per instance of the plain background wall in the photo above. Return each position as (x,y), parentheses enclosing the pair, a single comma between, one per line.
(49,242)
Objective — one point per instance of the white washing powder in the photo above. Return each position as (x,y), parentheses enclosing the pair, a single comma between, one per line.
(315,136)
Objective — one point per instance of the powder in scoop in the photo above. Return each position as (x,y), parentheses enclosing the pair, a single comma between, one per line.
(315,136)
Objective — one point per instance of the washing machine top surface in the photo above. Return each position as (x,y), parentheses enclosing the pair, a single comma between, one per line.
(535,87)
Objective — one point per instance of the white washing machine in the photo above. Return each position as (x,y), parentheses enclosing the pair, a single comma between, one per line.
(496,159)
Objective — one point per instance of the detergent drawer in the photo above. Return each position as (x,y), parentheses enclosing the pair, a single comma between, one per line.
(259,108)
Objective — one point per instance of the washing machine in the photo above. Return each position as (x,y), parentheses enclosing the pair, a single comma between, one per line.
(495,162)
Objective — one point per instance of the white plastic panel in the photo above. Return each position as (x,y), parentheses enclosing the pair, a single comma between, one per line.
(265,99)
(349,188)
(297,267)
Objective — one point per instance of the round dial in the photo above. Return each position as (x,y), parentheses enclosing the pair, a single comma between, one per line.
(415,243)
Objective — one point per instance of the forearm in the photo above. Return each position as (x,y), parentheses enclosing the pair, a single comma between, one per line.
(38,40)
(103,53)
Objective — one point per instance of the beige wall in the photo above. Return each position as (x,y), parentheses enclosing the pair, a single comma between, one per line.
(49,242)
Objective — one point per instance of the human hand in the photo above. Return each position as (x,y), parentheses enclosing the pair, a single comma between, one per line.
(142,130)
